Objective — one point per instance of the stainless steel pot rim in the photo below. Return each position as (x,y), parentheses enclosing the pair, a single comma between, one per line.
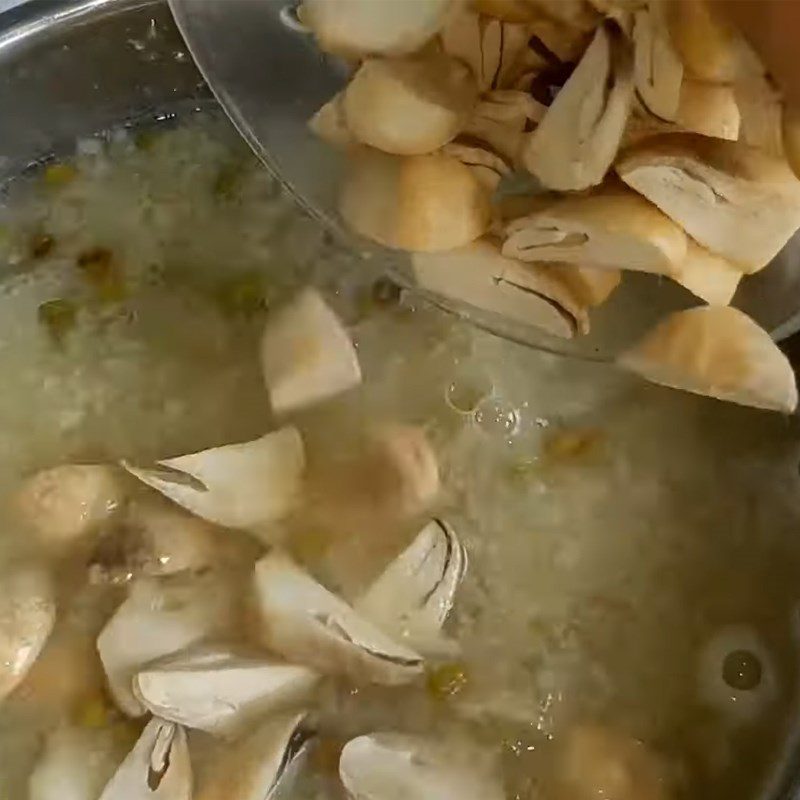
(32,18)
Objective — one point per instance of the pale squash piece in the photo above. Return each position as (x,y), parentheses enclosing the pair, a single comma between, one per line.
(706,108)
(710,109)
(480,276)
(716,351)
(440,204)
(709,46)
(421,203)
(760,105)
(27,617)
(708,276)
(395,765)
(307,355)
(76,763)
(590,286)
(246,485)
(409,106)
(485,164)
(270,753)
(611,227)
(414,594)
(658,70)
(158,766)
(735,200)
(219,689)
(500,120)
(307,624)
(64,504)
(490,47)
(330,123)
(578,137)
(353,28)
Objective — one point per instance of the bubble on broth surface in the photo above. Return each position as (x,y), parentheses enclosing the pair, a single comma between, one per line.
(742,670)
(737,677)
(497,418)
(467,391)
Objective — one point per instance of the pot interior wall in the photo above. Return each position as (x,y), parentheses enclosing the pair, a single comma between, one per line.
(70,69)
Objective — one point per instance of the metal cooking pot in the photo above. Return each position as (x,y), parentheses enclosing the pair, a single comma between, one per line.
(69,68)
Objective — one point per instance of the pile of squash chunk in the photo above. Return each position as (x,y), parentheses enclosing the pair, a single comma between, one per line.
(655,139)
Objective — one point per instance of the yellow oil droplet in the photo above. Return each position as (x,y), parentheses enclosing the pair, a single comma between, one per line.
(243,295)
(326,753)
(93,713)
(103,274)
(573,444)
(446,680)
(522,470)
(60,174)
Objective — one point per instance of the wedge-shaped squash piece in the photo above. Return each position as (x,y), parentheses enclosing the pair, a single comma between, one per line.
(307,355)
(425,203)
(245,485)
(591,286)
(611,227)
(709,46)
(733,199)
(710,109)
(658,70)
(716,351)
(360,27)
(710,277)
(578,138)
(307,624)
(409,106)
(220,690)
(491,47)
(480,276)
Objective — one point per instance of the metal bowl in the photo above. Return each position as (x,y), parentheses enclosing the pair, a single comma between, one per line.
(269,75)
(69,68)
(73,67)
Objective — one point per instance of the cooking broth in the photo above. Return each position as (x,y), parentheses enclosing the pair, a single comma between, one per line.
(614,529)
